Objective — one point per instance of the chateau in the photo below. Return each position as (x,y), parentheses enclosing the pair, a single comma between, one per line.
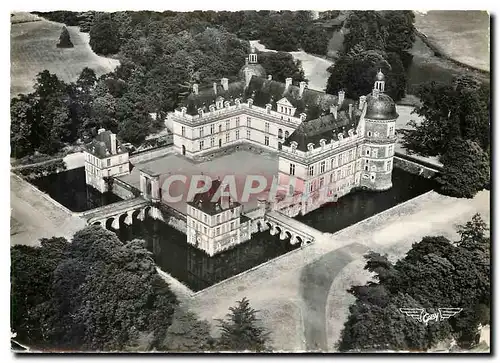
(325,146)
(328,143)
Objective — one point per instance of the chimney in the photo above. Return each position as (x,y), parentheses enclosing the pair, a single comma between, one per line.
(112,140)
(270,77)
(215,87)
(333,110)
(350,110)
(288,83)
(362,100)
(341,97)
(195,88)
(100,131)
(225,84)
(302,86)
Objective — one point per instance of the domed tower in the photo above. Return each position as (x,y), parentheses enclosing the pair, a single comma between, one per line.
(251,68)
(377,152)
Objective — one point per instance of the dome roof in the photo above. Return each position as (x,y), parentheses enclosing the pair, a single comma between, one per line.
(380,107)
(255,69)
(380,76)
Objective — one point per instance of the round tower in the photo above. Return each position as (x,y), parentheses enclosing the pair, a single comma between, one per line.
(377,151)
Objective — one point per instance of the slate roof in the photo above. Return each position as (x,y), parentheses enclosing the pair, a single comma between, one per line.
(325,127)
(100,146)
(381,107)
(206,96)
(203,201)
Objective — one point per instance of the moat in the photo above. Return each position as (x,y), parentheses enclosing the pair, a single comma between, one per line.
(197,270)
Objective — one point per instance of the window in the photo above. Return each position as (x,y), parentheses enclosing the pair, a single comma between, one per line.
(237,122)
(108,162)
(267,127)
(212,129)
(237,133)
(389,164)
(351,155)
(217,231)
(369,133)
(287,134)
(311,170)
(201,131)
(332,163)
(232,226)
(322,167)
(218,219)
(391,131)
(280,133)
(311,187)
(220,128)
(375,153)
(266,140)
(120,159)
(205,218)
(227,137)
(389,151)
(248,134)
(109,172)
(331,177)
(367,151)
(121,169)
(366,167)
(201,145)
(321,182)
(249,122)
(228,125)
(292,169)
(205,230)
(338,175)
(212,142)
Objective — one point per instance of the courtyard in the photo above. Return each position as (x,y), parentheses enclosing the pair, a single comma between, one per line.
(239,164)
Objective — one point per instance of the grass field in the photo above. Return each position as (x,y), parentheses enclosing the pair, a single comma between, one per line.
(33,49)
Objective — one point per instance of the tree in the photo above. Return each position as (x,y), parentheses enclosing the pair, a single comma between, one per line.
(434,273)
(466,169)
(65,39)
(355,72)
(187,333)
(315,40)
(22,113)
(240,330)
(281,66)
(101,294)
(460,109)
(104,35)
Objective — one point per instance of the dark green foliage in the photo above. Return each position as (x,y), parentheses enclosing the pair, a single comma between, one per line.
(466,169)
(104,35)
(315,40)
(281,65)
(435,273)
(241,330)
(65,39)
(93,294)
(187,333)
(459,109)
(46,168)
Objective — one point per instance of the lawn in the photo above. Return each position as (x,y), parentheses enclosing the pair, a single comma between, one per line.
(33,49)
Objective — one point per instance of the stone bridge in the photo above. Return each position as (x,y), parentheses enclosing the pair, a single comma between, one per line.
(288,227)
(124,210)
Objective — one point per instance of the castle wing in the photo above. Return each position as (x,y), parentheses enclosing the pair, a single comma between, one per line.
(446,313)
(415,313)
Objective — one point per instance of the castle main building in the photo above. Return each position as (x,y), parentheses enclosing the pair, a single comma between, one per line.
(328,144)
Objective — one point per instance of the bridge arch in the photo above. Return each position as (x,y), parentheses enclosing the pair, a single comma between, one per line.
(109,222)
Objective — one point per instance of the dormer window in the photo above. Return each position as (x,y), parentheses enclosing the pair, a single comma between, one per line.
(212,108)
(322,142)
(350,132)
(219,103)
(310,146)
(285,107)
(226,104)
(341,137)
(294,146)
(252,58)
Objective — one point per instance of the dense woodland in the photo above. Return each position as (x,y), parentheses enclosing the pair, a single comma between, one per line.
(435,273)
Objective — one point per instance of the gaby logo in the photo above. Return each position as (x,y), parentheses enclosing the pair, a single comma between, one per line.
(422,316)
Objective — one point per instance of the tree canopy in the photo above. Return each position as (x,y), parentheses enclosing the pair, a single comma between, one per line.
(281,65)
(241,330)
(435,273)
(64,39)
(95,293)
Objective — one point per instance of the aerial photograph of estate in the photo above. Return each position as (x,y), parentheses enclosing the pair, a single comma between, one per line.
(250,181)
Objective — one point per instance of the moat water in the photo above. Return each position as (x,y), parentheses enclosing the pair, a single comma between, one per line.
(70,189)
(197,270)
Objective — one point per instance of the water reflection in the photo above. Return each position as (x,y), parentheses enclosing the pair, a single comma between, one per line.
(193,267)
(70,189)
(360,205)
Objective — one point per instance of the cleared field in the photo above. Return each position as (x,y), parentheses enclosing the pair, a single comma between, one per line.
(461,35)
(33,49)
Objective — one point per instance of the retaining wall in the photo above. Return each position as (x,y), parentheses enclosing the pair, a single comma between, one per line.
(142,156)
(414,168)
